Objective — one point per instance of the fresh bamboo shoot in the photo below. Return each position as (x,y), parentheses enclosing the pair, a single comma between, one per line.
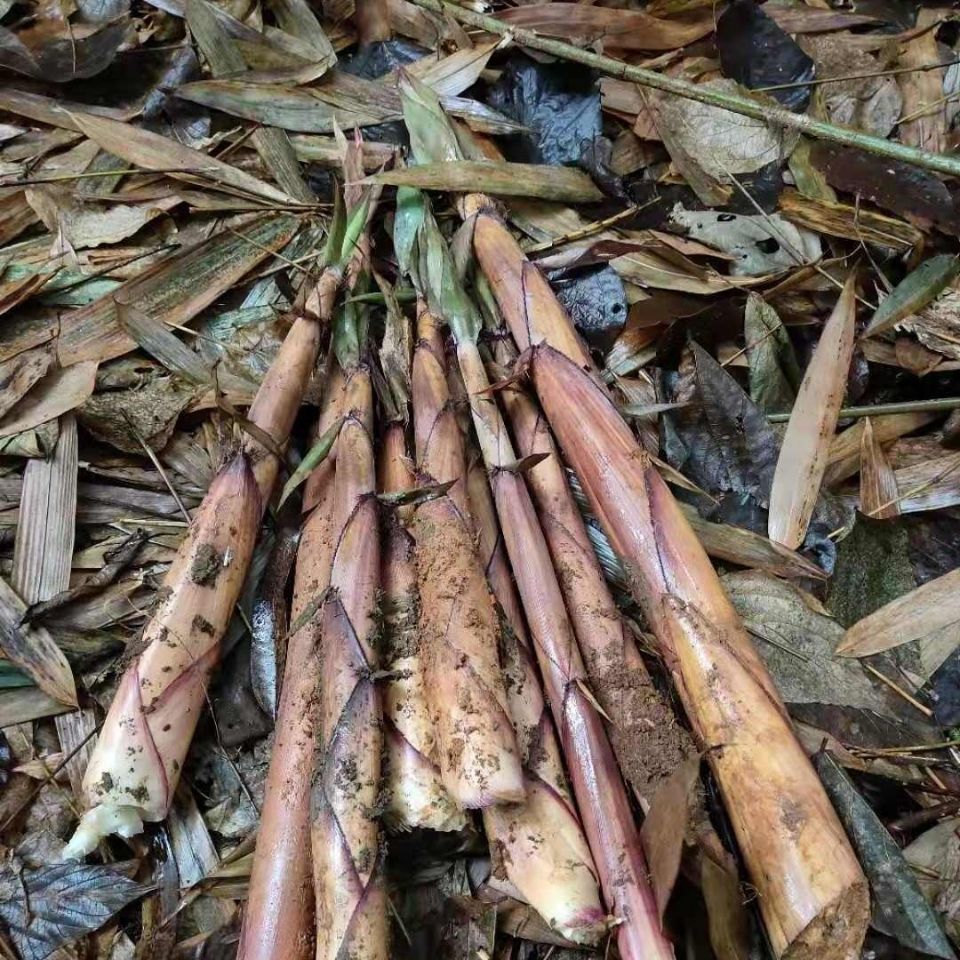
(478,754)
(812,893)
(416,796)
(345,834)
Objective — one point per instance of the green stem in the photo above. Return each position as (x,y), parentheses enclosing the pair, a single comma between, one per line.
(736,103)
(879,409)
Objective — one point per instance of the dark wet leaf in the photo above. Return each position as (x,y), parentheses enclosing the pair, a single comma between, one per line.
(560,108)
(64,59)
(873,568)
(774,372)
(899,908)
(596,302)
(758,53)
(921,197)
(48,908)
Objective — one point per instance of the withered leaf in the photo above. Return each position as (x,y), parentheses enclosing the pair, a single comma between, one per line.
(59,392)
(20,373)
(48,908)
(65,58)
(32,649)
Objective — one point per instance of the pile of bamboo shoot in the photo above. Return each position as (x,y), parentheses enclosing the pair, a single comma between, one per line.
(449,621)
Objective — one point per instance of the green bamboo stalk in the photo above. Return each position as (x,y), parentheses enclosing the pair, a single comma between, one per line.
(735,103)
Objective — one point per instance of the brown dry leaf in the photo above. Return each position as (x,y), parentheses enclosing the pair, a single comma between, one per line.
(20,373)
(94,224)
(932,607)
(33,650)
(922,89)
(174,290)
(55,394)
(813,421)
(560,184)
(15,292)
(450,76)
(878,484)
(843,458)
(43,550)
(931,483)
(76,54)
(151,151)
(665,828)
(848,221)
(937,325)
(624,29)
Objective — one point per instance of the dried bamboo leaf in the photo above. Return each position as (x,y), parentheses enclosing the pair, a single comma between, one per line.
(162,344)
(848,221)
(20,373)
(33,649)
(142,148)
(914,292)
(174,290)
(929,608)
(43,551)
(899,908)
(224,58)
(561,184)
(879,495)
(806,442)
(450,76)
(929,484)
(55,394)
(625,29)
(297,19)
(26,704)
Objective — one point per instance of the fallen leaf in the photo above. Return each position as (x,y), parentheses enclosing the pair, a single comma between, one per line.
(935,857)
(774,372)
(797,639)
(923,612)
(761,245)
(898,907)
(879,497)
(151,151)
(925,114)
(20,373)
(53,395)
(173,290)
(624,29)
(49,908)
(32,649)
(561,184)
(64,58)
(726,911)
(665,828)
(813,420)
(919,288)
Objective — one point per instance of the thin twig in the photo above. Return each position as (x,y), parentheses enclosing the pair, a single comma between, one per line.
(926,711)
(736,103)
(881,409)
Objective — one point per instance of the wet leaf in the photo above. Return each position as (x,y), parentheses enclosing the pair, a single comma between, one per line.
(873,568)
(921,613)
(665,828)
(774,372)
(561,184)
(813,420)
(756,52)
(51,907)
(899,908)
(914,292)
(148,150)
(879,497)
(625,29)
(31,648)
